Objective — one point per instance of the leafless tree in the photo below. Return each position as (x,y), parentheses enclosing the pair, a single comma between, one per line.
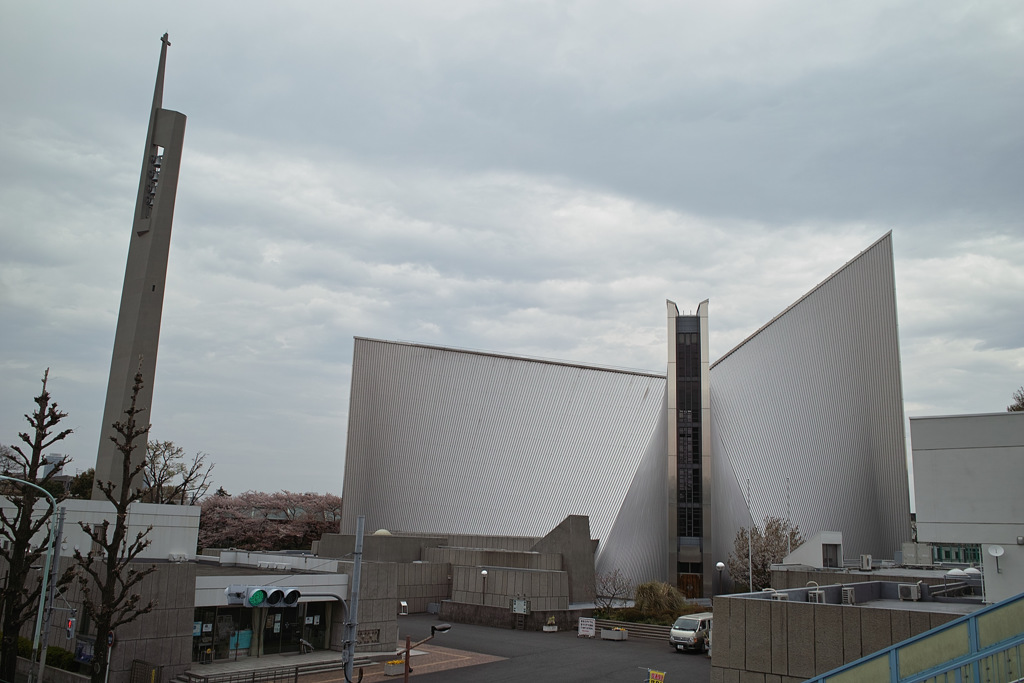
(108,574)
(611,588)
(169,478)
(21,596)
(1018,401)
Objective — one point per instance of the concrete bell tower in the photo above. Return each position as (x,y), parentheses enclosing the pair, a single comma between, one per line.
(142,296)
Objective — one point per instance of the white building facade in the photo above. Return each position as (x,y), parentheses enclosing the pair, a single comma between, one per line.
(968,472)
(808,409)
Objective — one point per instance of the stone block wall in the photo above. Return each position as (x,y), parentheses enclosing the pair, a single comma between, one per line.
(502,617)
(404,548)
(378,609)
(518,543)
(476,557)
(766,641)
(546,590)
(162,636)
(422,583)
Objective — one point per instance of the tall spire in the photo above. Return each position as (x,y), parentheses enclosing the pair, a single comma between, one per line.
(142,297)
(158,91)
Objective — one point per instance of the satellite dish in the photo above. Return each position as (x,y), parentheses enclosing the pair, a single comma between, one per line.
(996,550)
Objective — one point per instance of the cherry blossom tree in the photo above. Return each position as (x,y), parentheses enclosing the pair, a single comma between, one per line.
(768,545)
(268,521)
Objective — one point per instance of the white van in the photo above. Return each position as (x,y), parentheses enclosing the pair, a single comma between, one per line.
(691,632)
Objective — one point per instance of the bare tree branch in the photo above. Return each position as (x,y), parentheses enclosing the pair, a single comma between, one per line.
(109,573)
(20,592)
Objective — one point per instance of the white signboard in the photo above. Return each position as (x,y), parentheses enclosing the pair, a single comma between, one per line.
(588,628)
(519,605)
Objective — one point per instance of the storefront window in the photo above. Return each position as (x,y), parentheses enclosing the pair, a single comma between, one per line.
(226,633)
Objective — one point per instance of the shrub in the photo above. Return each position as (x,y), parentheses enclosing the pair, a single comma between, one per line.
(656,603)
(59,658)
(24,647)
(657,597)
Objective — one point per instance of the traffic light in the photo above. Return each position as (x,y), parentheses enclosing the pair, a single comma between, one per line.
(71,627)
(262,596)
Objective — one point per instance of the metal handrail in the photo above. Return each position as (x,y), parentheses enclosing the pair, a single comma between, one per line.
(279,674)
(1009,649)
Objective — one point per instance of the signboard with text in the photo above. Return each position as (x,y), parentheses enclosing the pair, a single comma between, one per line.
(587,628)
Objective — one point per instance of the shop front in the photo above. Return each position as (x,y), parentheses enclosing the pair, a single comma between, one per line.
(232,632)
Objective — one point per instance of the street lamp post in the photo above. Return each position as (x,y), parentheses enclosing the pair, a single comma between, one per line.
(49,598)
(719,566)
(483,593)
(440,628)
(46,573)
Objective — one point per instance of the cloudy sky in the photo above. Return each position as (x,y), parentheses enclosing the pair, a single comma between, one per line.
(522,177)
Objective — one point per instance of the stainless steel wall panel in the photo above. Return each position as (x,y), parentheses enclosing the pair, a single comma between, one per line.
(448,441)
(815,395)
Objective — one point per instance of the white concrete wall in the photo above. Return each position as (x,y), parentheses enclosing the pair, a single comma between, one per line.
(810,553)
(175,527)
(968,476)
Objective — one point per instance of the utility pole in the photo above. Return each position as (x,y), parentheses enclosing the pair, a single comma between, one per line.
(351,626)
(750,542)
(48,614)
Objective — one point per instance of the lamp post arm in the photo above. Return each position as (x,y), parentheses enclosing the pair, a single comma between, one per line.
(417,644)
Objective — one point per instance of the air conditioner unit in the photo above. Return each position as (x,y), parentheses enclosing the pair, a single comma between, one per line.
(817,596)
(849,595)
(910,591)
(865,563)
(780,596)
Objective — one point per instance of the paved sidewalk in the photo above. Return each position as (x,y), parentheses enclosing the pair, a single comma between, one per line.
(425,659)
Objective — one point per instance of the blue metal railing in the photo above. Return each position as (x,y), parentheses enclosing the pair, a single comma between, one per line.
(984,647)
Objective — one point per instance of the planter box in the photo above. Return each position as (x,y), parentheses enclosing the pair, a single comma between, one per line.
(612,634)
(394,669)
(550,628)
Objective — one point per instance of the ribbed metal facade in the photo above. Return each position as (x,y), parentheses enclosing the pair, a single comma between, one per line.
(448,441)
(815,397)
(809,409)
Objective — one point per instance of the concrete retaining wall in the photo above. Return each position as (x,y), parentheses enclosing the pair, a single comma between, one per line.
(766,641)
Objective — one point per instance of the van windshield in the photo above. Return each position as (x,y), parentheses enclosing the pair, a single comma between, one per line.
(686,624)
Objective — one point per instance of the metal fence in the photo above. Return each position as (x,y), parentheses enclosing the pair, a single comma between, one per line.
(144,672)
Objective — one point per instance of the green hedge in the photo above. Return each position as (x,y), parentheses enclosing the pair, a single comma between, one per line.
(57,657)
